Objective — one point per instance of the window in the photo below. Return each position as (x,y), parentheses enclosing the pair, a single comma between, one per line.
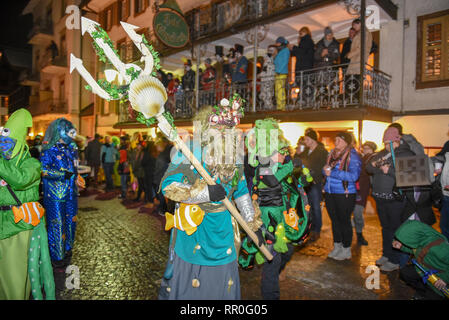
(432,65)
(140,6)
(108,19)
(124,9)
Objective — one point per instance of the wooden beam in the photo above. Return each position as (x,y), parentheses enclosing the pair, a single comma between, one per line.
(389,7)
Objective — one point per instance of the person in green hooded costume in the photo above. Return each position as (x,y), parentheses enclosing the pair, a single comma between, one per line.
(284,209)
(24,257)
(431,250)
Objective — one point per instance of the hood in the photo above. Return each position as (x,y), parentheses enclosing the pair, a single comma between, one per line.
(18,124)
(415,234)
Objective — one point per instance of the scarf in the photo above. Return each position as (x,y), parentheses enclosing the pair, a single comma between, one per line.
(342,157)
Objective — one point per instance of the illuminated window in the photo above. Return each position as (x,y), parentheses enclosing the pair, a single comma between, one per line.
(433,50)
(124,9)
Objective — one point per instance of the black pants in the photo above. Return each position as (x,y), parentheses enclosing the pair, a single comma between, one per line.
(141,188)
(270,274)
(389,212)
(411,277)
(340,208)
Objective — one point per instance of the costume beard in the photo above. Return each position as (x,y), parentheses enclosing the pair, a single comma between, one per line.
(223,152)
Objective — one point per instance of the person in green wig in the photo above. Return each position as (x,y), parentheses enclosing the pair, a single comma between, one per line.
(279,196)
(24,257)
(430,249)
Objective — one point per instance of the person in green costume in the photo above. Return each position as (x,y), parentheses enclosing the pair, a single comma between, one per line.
(431,250)
(277,192)
(24,257)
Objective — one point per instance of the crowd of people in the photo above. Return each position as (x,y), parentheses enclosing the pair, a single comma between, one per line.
(235,70)
(347,176)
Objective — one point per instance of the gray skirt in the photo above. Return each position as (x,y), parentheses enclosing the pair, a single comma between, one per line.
(196,282)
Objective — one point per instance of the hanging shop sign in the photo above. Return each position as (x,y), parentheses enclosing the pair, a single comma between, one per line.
(171,28)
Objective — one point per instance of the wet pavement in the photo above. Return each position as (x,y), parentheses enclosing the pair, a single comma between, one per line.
(121,254)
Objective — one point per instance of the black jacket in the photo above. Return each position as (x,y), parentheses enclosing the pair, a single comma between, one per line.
(345,50)
(423,207)
(315,161)
(93,151)
(162,162)
(331,58)
(384,183)
(304,54)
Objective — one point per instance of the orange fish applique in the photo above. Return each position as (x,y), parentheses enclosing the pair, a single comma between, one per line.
(30,212)
(186,218)
(291,218)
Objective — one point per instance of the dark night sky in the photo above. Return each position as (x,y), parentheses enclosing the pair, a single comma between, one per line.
(14,27)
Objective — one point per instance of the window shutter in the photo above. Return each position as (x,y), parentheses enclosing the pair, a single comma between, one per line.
(115,14)
(435,44)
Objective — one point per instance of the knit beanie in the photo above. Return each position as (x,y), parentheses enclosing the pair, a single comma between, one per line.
(391,134)
(346,136)
(311,134)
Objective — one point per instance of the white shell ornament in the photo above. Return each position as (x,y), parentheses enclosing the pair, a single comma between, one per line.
(148,96)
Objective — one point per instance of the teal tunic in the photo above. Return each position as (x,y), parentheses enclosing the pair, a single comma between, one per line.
(212,244)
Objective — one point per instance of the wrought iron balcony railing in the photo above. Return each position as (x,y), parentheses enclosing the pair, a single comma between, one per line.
(218,17)
(315,89)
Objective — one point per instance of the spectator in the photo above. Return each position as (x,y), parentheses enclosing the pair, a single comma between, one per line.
(163,147)
(93,151)
(342,170)
(281,68)
(36,149)
(123,167)
(363,190)
(444,212)
(354,53)
(240,72)
(109,155)
(229,65)
(314,157)
(327,50)
(138,170)
(266,78)
(347,47)
(207,81)
(148,164)
(431,250)
(219,65)
(304,51)
(389,201)
(188,79)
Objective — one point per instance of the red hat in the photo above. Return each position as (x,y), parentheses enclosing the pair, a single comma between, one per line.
(391,134)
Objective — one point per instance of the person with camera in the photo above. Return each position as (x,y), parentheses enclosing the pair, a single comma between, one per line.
(390,201)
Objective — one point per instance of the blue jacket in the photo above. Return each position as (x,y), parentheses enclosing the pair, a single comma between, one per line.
(240,72)
(281,61)
(110,153)
(334,183)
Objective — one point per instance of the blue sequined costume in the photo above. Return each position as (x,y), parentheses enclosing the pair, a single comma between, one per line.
(60,190)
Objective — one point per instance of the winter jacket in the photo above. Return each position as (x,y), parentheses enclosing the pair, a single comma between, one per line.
(422,206)
(93,151)
(445,175)
(281,61)
(109,153)
(304,53)
(315,161)
(354,53)
(415,235)
(136,163)
(384,183)
(364,183)
(334,182)
(162,162)
(332,57)
(240,72)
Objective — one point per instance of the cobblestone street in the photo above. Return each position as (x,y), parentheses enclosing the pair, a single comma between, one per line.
(121,254)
